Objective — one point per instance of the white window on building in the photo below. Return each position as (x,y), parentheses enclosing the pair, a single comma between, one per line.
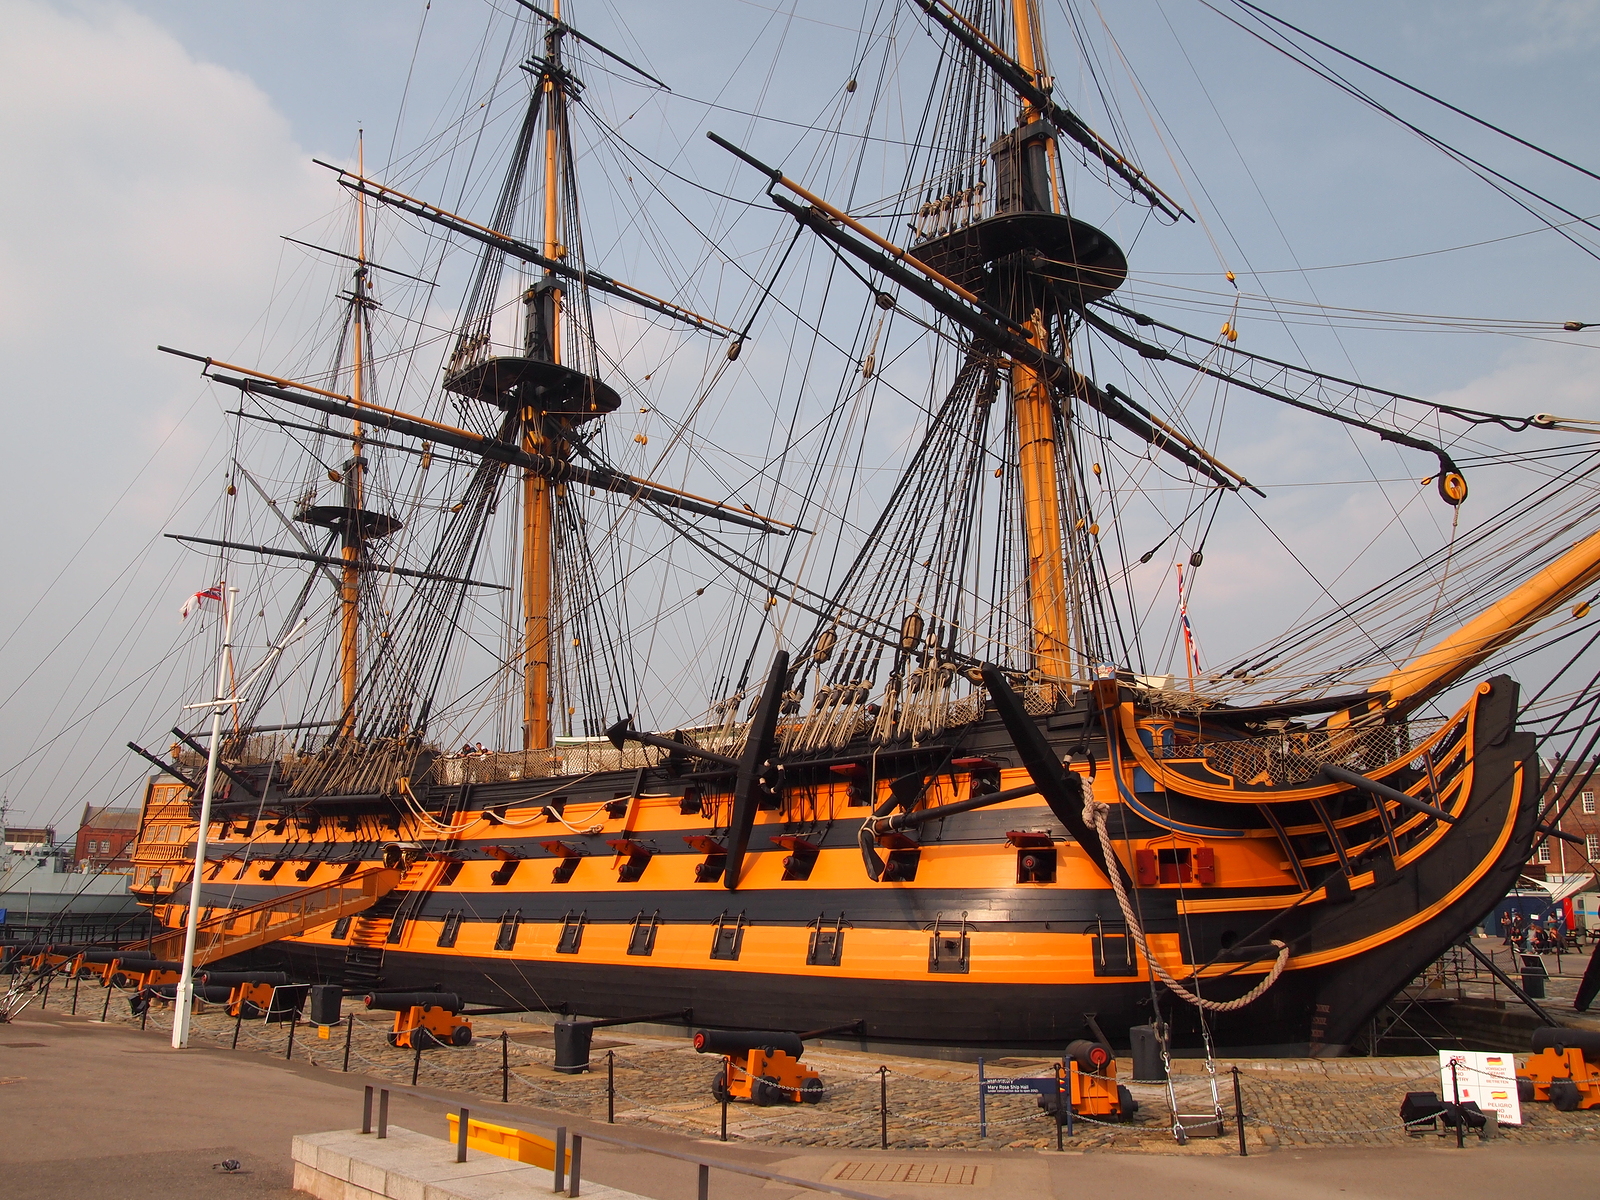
(1588,802)
(1591,848)
(1544,851)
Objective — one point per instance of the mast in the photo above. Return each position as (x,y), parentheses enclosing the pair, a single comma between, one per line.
(538,493)
(1034,156)
(352,528)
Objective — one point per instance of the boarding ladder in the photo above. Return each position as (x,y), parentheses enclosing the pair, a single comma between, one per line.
(236,930)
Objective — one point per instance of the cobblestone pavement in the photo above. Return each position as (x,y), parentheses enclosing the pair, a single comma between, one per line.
(660,1081)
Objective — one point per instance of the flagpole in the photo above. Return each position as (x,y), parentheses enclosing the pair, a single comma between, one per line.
(184,999)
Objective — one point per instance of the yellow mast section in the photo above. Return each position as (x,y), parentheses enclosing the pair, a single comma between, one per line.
(350,549)
(1510,616)
(1037,451)
(538,494)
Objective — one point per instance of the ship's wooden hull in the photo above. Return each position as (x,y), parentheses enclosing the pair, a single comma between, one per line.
(960,953)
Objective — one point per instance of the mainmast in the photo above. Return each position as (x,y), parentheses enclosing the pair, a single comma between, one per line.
(1031,159)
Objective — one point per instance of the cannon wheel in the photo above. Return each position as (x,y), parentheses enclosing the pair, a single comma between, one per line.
(462,1036)
(719,1086)
(764,1090)
(1564,1095)
(811,1091)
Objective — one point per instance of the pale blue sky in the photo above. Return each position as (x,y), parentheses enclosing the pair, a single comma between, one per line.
(156,149)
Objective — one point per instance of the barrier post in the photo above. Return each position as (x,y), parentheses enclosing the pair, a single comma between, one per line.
(705,1183)
(1455,1095)
(1238,1111)
(727,1078)
(1061,1103)
(461,1136)
(611,1087)
(505,1068)
(289,1053)
(983,1106)
(383,1113)
(577,1166)
(416,1055)
(366,1111)
(883,1108)
(349,1031)
(105,1009)
(561,1159)
(238,1023)
(75,981)
(144,1014)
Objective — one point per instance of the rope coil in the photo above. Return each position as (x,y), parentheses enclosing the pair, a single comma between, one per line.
(1094,815)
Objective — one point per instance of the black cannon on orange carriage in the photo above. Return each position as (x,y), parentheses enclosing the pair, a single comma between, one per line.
(423,1019)
(760,1065)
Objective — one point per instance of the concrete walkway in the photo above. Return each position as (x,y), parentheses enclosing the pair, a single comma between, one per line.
(106,1112)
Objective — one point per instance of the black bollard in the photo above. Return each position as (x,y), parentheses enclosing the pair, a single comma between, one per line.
(349,1029)
(577,1167)
(238,1023)
(144,1013)
(704,1191)
(75,981)
(561,1158)
(289,1053)
(105,1009)
(505,1068)
(383,1113)
(611,1087)
(461,1136)
(366,1111)
(416,1056)
(1238,1111)
(727,1078)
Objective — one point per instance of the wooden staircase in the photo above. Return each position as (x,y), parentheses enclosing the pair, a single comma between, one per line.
(363,956)
(239,929)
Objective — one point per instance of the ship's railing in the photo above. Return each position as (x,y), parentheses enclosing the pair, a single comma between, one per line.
(504,766)
(1298,756)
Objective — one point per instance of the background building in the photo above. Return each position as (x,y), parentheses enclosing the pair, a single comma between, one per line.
(103,837)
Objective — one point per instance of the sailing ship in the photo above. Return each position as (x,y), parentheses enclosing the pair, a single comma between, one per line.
(939,788)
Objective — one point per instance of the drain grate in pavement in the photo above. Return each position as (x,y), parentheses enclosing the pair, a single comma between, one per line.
(904,1172)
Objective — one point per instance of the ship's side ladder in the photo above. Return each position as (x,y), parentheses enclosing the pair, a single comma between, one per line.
(239,929)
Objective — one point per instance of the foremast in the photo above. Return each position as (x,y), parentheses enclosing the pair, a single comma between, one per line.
(1032,401)
(352,534)
(543,342)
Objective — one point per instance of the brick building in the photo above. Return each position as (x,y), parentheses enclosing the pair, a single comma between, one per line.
(103,837)
(1581,819)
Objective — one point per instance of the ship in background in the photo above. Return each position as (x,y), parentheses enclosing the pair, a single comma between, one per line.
(927,768)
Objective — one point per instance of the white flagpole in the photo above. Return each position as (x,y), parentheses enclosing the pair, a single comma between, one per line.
(184,1000)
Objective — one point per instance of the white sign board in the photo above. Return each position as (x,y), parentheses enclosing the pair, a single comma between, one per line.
(1490,1080)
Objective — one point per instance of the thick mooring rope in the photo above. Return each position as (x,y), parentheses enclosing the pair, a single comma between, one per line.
(1094,815)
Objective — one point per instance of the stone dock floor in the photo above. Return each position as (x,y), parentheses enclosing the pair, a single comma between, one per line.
(659,1082)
